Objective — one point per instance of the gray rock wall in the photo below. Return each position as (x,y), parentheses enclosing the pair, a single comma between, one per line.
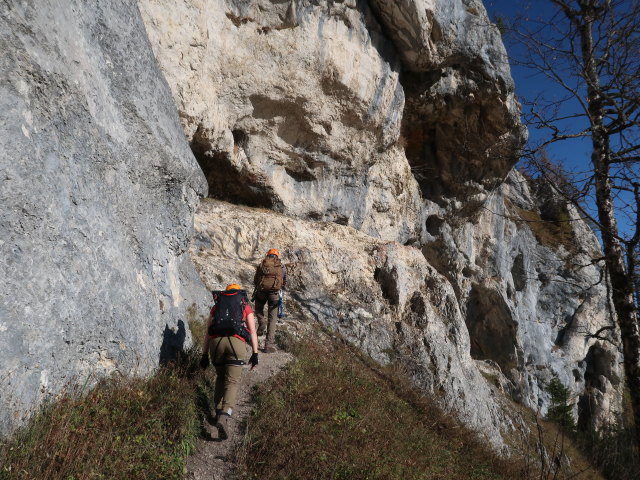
(98,189)
(316,106)
(531,295)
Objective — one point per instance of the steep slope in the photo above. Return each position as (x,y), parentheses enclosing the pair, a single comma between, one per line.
(382,296)
(98,190)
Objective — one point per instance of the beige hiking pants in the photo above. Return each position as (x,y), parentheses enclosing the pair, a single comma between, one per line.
(226,353)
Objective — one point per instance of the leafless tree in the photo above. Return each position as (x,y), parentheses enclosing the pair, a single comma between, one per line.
(591,50)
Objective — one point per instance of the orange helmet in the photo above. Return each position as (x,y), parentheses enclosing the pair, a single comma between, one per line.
(233,286)
(273,251)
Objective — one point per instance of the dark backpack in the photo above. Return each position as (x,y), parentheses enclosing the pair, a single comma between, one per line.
(270,275)
(227,317)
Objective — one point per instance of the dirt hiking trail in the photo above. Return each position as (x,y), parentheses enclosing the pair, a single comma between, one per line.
(213,459)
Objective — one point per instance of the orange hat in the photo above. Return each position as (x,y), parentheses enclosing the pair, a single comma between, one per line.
(233,286)
(273,251)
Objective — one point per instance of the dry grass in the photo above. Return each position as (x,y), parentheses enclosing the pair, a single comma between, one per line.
(551,233)
(335,415)
(616,454)
(124,428)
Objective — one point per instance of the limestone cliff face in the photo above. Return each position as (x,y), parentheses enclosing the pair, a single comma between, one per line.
(294,106)
(296,99)
(531,295)
(397,119)
(378,138)
(98,189)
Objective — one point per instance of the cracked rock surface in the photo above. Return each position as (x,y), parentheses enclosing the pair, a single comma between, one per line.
(98,190)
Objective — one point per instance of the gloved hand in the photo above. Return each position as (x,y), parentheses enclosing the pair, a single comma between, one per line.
(253,360)
(204,361)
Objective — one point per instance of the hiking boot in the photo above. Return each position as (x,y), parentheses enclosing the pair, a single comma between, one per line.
(213,420)
(270,349)
(224,426)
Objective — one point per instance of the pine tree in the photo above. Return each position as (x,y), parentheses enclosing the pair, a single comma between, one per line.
(560,410)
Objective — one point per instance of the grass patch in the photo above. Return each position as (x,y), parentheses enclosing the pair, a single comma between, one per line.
(549,232)
(123,428)
(333,414)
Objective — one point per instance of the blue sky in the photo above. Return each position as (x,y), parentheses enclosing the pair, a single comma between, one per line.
(574,155)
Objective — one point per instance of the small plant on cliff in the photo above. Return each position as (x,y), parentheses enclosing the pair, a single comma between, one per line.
(501,23)
(561,410)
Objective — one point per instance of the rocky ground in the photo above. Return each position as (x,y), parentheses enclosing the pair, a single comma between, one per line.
(213,459)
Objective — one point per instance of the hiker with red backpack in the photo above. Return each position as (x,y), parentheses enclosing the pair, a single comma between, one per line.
(230,329)
(269,280)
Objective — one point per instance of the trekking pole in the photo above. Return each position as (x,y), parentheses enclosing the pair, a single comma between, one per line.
(281,305)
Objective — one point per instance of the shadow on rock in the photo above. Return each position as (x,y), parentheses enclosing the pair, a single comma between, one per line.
(172,343)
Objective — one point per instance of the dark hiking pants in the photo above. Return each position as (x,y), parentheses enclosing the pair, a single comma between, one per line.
(272,299)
